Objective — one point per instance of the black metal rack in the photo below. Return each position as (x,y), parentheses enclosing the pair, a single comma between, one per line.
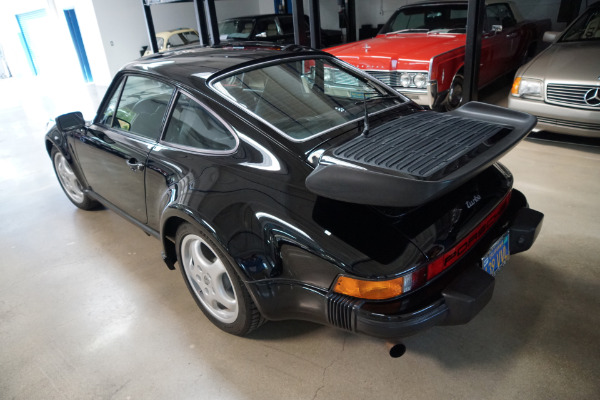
(206,18)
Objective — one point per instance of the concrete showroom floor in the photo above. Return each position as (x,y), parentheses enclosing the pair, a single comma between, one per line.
(88,309)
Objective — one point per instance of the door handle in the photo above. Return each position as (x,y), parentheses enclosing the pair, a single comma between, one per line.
(134,165)
(511,35)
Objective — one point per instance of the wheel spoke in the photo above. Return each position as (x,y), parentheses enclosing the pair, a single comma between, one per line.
(225,297)
(196,257)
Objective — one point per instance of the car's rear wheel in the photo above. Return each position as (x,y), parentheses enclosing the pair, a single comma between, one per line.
(215,285)
(455,93)
(69,182)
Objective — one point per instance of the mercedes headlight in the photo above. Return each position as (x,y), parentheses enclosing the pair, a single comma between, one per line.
(527,88)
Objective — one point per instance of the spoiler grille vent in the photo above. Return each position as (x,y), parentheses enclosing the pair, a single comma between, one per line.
(340,311)
(424,145)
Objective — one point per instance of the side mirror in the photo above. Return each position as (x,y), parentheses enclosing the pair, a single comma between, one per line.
(550,36)
(496,28)
(70,121)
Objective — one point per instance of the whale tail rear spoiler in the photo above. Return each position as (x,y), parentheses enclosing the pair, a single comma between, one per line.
(412,160)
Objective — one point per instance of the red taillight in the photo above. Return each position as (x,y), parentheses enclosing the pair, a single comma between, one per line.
(419,277)
(451,256)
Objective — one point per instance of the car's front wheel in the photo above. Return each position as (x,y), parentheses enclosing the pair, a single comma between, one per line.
(210,276)
(69,182)
(455,94)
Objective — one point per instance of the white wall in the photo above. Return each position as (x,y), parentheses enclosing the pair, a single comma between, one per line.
(122,28)
(239,8)
(329,11)
(265,7)
(376,11)
(90,35)
(9,34)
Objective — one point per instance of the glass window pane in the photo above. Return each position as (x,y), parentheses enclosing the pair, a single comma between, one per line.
(587,27)
(142,107)
(235,28)
(175,40)
(193,126)
(305,97)
(190,37)
(107,116)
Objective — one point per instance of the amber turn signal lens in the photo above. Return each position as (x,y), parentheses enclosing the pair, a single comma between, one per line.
(515,87)
(370,290)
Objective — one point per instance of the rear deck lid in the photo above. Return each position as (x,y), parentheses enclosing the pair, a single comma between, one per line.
(415,159)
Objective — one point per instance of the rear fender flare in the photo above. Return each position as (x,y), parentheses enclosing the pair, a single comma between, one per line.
(177,214)
(257,246)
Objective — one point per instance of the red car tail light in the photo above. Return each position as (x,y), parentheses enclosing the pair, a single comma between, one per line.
(390,288)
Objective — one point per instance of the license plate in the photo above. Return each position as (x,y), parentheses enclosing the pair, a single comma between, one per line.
(497,256)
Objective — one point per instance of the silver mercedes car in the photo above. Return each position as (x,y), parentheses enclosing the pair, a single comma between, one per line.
(561,86)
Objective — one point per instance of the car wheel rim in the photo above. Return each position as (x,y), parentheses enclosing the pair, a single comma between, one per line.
(456,94)
(68,179)
(209,279)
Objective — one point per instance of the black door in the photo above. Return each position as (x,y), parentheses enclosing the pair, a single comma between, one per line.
(113,151)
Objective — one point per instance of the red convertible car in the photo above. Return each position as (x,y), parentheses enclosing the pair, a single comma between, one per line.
(420,51)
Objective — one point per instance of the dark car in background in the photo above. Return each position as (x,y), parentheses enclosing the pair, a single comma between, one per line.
(281,197)
(277,28)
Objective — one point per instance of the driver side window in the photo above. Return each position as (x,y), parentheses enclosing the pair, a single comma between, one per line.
(140,107)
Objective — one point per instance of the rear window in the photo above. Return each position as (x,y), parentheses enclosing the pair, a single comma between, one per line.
(305,97)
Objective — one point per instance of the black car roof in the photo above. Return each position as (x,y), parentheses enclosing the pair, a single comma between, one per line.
(191,64)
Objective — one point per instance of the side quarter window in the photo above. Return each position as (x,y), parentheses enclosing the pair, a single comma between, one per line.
(141,107)
(191,125)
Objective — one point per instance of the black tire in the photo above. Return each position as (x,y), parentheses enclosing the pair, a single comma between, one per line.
(211,278)
(454,97)
(69,182)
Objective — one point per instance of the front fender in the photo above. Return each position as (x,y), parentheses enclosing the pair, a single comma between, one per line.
(56,138)
(445,66)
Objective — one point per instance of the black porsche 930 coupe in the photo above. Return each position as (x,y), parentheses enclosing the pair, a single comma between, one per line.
(291,185)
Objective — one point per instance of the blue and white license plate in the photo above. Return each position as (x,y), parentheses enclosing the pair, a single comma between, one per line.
(497,256)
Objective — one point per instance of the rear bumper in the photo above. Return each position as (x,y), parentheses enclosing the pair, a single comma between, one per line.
(456,297)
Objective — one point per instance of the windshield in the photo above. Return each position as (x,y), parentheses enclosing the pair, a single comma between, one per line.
(306,97)
(587,27)
(445,17)
(236,28)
